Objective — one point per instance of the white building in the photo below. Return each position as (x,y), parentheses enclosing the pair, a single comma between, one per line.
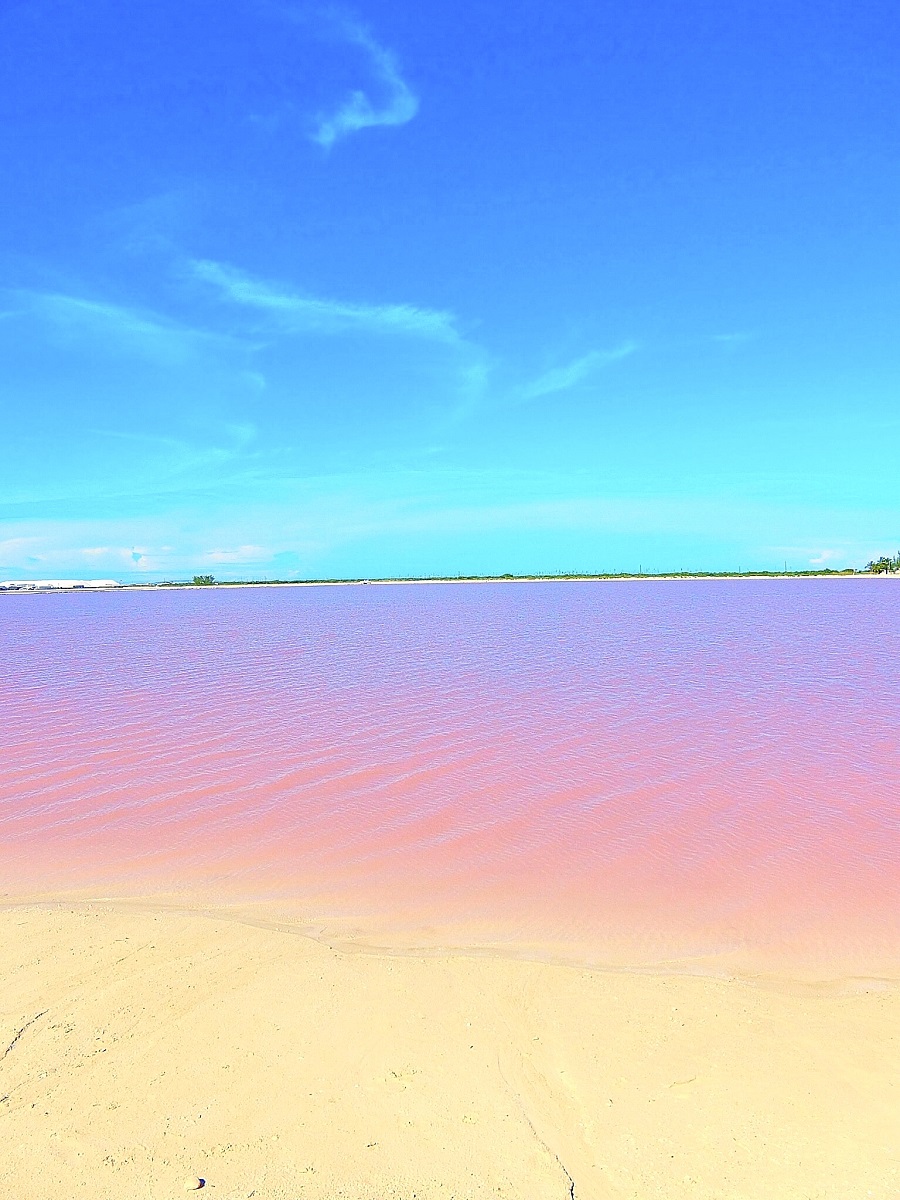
(58,585)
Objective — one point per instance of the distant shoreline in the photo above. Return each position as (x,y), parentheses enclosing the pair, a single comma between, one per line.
(24,587)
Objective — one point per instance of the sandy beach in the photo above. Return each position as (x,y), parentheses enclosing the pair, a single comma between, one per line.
(140,1050)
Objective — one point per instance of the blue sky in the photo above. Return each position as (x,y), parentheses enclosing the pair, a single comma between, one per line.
(299,291)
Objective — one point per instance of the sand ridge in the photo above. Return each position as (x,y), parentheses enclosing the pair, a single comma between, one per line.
(140,1049)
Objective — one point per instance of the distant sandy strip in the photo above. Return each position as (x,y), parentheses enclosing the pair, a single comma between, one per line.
(224,585)
(141,1050)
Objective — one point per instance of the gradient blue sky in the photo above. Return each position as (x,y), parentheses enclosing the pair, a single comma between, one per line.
(410,288)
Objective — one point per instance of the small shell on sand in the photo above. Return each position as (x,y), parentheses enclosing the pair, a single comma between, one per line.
(194,1185)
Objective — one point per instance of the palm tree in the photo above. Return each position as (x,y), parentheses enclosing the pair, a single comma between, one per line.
(884,565)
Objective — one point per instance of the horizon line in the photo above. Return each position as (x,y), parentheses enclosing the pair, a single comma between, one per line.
(18,586)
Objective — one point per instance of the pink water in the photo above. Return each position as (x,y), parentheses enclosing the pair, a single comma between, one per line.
(700,771)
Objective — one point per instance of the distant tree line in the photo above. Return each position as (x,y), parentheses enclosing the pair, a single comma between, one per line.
(884,565)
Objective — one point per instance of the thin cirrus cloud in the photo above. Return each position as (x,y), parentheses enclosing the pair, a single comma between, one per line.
(297,313)
(560,379)
(172,458)
(120,328)
(359,111)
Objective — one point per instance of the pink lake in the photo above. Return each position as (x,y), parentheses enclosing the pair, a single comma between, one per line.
(701,773)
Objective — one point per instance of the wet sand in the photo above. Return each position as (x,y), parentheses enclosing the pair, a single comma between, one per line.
(142,1049)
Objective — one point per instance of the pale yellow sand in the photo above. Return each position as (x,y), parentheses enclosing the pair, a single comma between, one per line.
(147,1049)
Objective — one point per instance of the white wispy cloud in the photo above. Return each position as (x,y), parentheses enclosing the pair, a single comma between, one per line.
(731,341)
(166,460)
(313,314)
(121,328)
(358,111)
(826,558)
(560,379)
(17,550)
(235,555)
